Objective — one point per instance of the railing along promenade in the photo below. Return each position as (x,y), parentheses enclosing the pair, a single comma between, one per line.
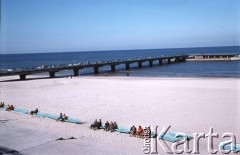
(52,69)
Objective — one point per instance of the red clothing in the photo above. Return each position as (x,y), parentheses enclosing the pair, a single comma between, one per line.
(140,130)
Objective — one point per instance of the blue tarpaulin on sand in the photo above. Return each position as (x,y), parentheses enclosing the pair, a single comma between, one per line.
(173,136)
(55,117)
(235,148)
(20,110)
(41,114)
(123,130)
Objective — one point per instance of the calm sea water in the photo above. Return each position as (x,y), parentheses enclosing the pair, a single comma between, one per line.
(186,69)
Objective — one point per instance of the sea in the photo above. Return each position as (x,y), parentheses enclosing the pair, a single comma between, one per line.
(184,69)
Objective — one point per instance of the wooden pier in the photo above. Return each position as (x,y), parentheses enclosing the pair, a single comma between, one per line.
(23,72)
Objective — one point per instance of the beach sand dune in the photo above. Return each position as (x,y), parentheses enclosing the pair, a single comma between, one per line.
(187,104)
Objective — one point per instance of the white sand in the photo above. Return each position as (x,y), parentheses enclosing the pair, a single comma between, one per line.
(187,104)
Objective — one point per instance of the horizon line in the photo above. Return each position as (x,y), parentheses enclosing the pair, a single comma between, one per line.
(120,50)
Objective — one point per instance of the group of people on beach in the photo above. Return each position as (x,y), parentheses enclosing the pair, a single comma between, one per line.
(9,107)
(97,124)
(62,117)
(112,126)
(140,132)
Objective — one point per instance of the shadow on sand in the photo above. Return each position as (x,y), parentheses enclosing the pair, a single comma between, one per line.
(5,150)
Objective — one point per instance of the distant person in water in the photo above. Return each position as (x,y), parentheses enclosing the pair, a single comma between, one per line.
(2,105)
(10,107)
(60,117)
(133,131)
(34,111)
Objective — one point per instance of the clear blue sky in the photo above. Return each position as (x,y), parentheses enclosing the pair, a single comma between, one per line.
(31,26)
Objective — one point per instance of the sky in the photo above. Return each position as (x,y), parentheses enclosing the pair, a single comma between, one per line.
(35,26)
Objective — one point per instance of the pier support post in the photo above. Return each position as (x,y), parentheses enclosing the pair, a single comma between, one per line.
(52,74)
(127,66)
(22,77)
(112,68)
(140,64)
(75,72)
(160,61)
(169,60)
(150,63)
(96,70)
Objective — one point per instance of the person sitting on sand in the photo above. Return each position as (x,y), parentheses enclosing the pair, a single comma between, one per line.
(94,125)
(139,131)
(10,107)
(2,105)
(115,126)
(60,117)
(34,112)
(133,131)
(99,124)
(106,126)
(110,128)
(64,117)
(149,131)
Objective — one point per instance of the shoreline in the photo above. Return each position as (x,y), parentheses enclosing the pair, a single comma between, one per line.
(102,76)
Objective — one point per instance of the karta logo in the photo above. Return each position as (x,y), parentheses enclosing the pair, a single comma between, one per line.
(177,140)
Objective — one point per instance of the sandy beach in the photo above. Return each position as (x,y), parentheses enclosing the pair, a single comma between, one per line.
(187,104)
